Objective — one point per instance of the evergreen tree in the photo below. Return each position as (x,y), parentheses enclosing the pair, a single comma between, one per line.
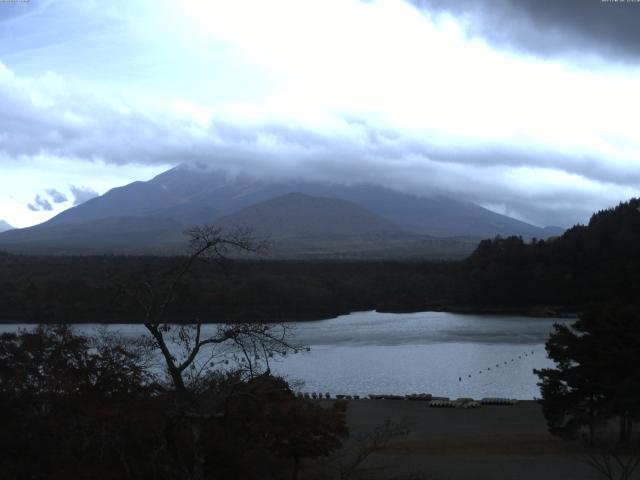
(596,376)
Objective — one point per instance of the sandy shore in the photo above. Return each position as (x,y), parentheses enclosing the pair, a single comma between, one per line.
(491,442)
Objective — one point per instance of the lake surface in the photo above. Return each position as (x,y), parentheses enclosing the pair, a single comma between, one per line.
(445,354)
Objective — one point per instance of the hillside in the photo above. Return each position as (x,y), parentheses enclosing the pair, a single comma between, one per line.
(296,215)
(112,234)
(592,263)
(201,196)
(181,197)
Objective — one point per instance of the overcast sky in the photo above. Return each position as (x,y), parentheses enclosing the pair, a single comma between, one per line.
(527,107)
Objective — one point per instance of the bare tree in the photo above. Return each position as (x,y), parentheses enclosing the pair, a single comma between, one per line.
(191,351)
(254,343)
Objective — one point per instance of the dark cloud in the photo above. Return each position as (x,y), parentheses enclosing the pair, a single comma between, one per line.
(608,29)
(40,204)
(82,194)
(353,149)
(56,196)
(360,152)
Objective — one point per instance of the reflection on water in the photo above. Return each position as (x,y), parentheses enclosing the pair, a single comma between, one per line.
(445,354)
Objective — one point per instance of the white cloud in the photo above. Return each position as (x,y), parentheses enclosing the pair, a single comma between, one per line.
(344,90)
(82,194)
(27,176)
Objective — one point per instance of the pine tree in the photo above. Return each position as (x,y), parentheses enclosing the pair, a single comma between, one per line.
(596,376)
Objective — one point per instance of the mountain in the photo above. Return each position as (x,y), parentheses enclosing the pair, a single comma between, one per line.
(302,226)
(197,196)
(297,215)
(4,226)
(181,197)
(111,234)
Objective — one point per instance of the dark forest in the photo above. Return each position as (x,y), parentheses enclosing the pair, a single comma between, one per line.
(587,264)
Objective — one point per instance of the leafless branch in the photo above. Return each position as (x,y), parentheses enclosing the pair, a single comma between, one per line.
(257,341)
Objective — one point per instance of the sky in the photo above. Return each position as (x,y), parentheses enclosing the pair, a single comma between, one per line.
(529,108)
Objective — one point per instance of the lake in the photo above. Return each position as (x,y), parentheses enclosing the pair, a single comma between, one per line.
(445,354)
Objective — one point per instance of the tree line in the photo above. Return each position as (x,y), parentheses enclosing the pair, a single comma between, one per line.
(588,263)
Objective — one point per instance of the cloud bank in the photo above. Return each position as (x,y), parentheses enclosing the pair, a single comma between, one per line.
(397,95)
(607,29)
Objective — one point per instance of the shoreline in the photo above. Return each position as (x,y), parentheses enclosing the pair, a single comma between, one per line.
(532,311)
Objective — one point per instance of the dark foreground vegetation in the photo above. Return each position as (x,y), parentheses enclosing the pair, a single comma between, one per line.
(170,405)
(95,408)
(91,408)
(593,393)
(596,376)
(593,263)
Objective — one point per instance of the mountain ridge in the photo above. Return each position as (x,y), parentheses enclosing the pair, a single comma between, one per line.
(296,215)
(194,195)
(182,197)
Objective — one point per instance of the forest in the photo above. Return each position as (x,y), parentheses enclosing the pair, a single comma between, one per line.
(588,264)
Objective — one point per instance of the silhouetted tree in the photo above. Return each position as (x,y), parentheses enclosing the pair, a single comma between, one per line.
(81,407)
(264,410)
(181,344)
(596,375)
(71,406)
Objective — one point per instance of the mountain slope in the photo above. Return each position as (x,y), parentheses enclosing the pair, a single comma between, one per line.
(196,196)
(113,234)
(151,216)
(4,226)
(299,215)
